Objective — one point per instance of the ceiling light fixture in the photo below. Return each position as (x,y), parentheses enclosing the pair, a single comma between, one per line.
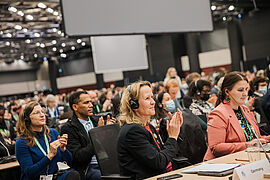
(9,35)
(79,40)
(231,8)
(42,45)
(73,48)
(12,9)
(18,27)
(20,13)
(7,43)
(55,13)
(29,17)
(37,34)
(27,41)
(213,7)
(63,45)
(37,44)
(61,50)
(63,55)
(224,18)
(35,55)
(54,49)
(50,10)
(25,30)
(41,5)
(83,43)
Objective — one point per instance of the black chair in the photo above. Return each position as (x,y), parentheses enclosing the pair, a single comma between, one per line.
(104,140)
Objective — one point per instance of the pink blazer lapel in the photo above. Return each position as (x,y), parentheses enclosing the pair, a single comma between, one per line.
(232,119)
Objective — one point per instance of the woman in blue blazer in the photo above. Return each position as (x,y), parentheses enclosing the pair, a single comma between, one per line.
(39,148)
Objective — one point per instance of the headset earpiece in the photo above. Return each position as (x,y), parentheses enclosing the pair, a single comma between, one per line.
(134,104)
(197,90)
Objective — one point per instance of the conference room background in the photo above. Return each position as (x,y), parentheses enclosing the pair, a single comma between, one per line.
(243,34)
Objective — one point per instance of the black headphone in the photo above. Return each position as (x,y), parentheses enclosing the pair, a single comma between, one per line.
(134,104)
(197,90)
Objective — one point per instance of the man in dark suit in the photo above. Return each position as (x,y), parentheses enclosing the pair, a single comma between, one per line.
(79,143)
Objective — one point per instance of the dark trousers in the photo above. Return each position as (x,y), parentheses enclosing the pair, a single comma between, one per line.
(93,173)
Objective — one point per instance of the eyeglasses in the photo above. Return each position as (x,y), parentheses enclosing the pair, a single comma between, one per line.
(38,113)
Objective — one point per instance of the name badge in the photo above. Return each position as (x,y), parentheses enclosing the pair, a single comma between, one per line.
(46,177)
(252,171)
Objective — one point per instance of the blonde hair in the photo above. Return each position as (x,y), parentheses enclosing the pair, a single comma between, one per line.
(171,83)
(24,130)
(128,115)
(169,72)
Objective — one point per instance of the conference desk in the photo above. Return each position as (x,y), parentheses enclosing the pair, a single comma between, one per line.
(10,171)
(9,165)
(224,159)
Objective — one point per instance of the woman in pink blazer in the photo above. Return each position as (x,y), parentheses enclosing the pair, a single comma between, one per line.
(229,125)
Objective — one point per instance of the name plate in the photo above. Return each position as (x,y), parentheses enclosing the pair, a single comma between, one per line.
(252,171)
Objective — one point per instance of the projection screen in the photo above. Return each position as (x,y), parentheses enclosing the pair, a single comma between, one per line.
(110,17)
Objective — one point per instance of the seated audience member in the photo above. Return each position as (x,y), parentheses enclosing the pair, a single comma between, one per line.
(187,100)
(12,109)
(52,108)
(216,88)
(141,153)
(193,145)
(106,100)
(39,148)
(5,148)
(159,86)
(172,75)
(230,124)
(202,103)
(79,143)
(6,128)
(259,88)
(97,108)
(172,88)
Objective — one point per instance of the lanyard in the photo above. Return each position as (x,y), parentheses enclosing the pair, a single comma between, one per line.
(47,145)
(153,135)
(249,138)
(98,110)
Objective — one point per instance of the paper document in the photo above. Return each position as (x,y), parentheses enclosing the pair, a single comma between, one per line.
(211,168)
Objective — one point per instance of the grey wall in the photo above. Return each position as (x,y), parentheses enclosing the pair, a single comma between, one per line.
(217,39)
(76,66)
(256,34)
(17,76)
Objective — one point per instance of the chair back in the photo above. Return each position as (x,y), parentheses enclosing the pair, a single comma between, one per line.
(104,140)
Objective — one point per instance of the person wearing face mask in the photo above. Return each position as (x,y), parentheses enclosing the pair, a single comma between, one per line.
(191,142)
(259,88)
(230,124)
(202,104)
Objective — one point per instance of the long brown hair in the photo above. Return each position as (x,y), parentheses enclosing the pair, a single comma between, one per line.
(127,114)
(24,130)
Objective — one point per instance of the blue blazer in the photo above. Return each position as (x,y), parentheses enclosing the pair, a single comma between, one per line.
(34,163)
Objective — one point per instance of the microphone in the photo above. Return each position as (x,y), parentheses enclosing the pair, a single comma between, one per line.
(253,131)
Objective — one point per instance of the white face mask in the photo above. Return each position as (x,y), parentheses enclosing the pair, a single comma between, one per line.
(263,90)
